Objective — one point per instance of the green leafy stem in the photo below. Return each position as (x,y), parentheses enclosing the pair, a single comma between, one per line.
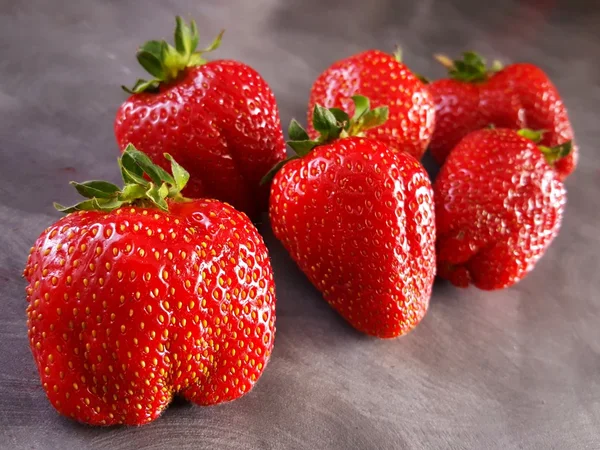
(552,154)
(331,124)
(471,68)
(165,62)
(145,184)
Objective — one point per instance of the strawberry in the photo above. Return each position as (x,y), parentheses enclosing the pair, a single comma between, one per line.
(518,96)
(385,80)
(499,204)
(139,295)
(358,219)
(219,119)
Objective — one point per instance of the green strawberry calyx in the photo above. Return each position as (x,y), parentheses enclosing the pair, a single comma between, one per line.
(471,68)
(552,154)
(398,54)
(144,184)
(331,124)
(165,62)
(533,135)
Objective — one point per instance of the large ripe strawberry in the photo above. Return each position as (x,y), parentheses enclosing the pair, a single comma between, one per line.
(386,81)
(499,204)
(518,96)
(139,295)
(219,119)
(358,219)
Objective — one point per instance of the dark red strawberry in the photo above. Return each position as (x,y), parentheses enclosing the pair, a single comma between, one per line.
(518,96)
(499,204)
(219,119)
(139,295)
(385,81)
(358,219)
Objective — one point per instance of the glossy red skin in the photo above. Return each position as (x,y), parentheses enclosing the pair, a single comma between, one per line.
(129,308)
(499,205)
(220,121)
(386,82)
(519,96)
(358,220)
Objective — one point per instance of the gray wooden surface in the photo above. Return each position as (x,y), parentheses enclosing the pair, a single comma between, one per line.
(517,369)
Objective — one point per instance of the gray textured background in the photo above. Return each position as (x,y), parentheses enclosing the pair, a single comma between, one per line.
(512,369)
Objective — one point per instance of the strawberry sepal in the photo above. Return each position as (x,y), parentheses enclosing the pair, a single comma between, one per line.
(552,154)
(165,62)
(145,184)
(471,68)
(556,153)
(331,124)
(533,135)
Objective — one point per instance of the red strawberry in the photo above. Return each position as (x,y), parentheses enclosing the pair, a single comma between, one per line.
(140,295)
(386,81)
(219,119)
(358,219)
(518,96)
(499,204)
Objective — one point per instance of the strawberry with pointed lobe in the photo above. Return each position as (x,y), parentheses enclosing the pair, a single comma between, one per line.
(386,81)
(499,204)
(518,96)
(358,219)
(218,118)
(139,295)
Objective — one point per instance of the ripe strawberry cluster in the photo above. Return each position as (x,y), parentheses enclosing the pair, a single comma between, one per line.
(160,288)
